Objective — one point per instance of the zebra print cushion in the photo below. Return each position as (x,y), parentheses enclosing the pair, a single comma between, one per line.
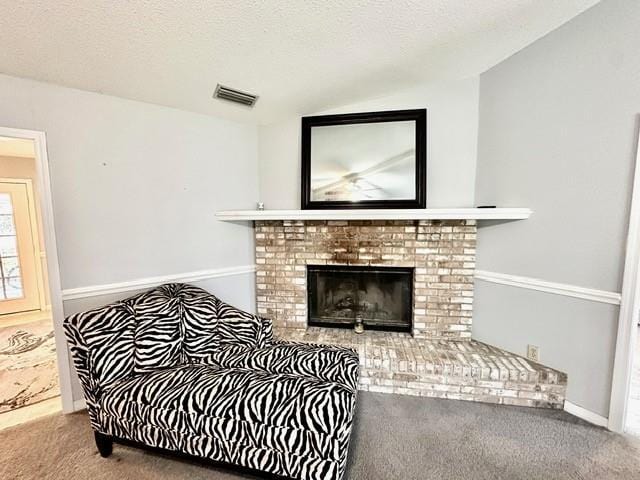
(209,380)
(328,363)
(200,318)
(159,331)
(111,343)
(236,327)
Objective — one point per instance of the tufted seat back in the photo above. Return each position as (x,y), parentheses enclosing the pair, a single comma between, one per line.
(165,327)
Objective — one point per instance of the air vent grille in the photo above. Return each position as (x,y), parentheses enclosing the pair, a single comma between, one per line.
(233,95)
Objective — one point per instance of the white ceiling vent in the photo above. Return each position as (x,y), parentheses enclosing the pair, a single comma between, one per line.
(232,95)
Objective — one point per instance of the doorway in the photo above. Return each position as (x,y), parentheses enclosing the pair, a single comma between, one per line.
(30,368)
(624,409)
(632,426)
(22,282)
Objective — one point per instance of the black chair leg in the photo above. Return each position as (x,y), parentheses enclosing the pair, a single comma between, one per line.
(104,444)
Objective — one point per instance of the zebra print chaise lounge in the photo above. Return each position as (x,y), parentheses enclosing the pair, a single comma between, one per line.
(177,369)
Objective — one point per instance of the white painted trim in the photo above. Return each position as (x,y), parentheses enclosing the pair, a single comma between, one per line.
(586,415)
(629,311)
(379,214)
(79,405)
(43,182)
(565,289)
(142,283)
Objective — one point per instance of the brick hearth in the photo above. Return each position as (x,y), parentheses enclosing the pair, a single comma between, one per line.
(460,370)
(438,359)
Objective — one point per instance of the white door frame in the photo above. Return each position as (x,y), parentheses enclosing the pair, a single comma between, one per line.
(629,311)
(43,183)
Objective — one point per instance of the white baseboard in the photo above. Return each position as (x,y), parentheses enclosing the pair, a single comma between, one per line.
(143,283)
(585,414)
(79,405)
(568,290)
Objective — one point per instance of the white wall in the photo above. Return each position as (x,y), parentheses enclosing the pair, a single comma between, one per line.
(136,186)
(452,127)
(558,128)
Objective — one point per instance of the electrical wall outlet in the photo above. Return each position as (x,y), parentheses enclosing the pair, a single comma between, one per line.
(533,353)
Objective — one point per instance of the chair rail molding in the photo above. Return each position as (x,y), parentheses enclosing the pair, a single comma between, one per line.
(565,289)
(147,282)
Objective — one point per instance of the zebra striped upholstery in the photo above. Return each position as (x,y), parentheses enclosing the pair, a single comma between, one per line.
(178,369)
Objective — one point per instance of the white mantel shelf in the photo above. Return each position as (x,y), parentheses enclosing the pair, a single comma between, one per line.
(379,214)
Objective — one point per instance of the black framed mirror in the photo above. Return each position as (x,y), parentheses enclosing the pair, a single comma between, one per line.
(365,160)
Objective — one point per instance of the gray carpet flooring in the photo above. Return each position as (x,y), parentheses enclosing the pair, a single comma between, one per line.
(395,437)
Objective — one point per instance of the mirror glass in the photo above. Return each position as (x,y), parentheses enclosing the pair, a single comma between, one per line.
(363,161)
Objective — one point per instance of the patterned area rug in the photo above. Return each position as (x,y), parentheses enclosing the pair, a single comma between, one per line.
(28,370)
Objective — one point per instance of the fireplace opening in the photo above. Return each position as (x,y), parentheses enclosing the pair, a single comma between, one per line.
(340,295)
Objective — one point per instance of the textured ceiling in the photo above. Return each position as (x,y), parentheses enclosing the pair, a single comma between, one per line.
(300,56)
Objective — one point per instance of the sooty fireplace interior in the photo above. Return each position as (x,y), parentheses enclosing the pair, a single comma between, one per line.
(382,297)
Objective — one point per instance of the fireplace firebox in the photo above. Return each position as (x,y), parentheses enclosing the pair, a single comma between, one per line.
(341,295)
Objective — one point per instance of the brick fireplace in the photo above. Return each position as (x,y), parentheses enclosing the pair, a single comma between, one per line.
(442,254)
(436,357)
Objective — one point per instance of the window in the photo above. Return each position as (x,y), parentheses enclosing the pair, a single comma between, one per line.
(11,285)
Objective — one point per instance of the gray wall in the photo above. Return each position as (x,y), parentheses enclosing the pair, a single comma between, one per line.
(452,130)
(557,133)
(136,186)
